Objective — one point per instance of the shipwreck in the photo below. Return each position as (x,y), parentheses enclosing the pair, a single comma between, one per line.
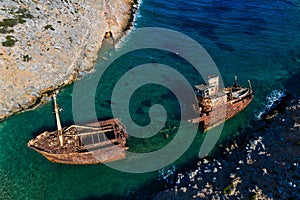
(217,105)
(93,143)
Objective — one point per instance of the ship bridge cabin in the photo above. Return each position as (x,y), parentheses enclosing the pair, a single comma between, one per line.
(210,96)
(204,90)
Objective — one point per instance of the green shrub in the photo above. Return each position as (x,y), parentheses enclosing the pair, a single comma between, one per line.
(228,189)
(21,20)
(10,41)
(20,16)
(24,13)
(26,58)
(253,197)
(10,22)
(5,30)
(49,27)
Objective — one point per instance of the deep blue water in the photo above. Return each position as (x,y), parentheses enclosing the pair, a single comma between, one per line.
(256,40)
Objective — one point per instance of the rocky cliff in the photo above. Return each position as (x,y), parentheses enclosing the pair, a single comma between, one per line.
(44,44)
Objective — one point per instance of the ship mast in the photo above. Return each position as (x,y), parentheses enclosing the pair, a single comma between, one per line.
(59,129)
(235,82)
(250,86)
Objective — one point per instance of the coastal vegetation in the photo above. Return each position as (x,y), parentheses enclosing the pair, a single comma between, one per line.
(6,25)
(19,16)
(228,189)
(49,27)
(26,58)
(5,30)
(10,41)
(23,25)
(9,22)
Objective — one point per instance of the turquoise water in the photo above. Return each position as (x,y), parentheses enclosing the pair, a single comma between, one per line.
(256,40)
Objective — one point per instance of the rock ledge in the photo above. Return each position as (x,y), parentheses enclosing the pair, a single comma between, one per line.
(44,44)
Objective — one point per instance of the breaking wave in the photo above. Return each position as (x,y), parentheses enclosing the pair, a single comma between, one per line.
(271,101)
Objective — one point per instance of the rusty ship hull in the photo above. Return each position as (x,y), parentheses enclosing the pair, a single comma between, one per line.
(215,105)
(93,143)
(89,157)
(216,117)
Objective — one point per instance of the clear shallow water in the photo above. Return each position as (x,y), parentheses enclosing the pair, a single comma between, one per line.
(257,40)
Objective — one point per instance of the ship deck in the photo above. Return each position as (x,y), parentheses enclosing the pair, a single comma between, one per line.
(91,137)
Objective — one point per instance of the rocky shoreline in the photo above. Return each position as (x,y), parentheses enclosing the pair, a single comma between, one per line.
(263,165)
(46,44)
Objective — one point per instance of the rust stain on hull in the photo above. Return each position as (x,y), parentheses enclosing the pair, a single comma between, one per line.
(88,145)
(87,157)
(215,105)
(93,143)
(105,141)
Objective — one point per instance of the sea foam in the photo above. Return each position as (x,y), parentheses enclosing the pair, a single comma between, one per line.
(271,101)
